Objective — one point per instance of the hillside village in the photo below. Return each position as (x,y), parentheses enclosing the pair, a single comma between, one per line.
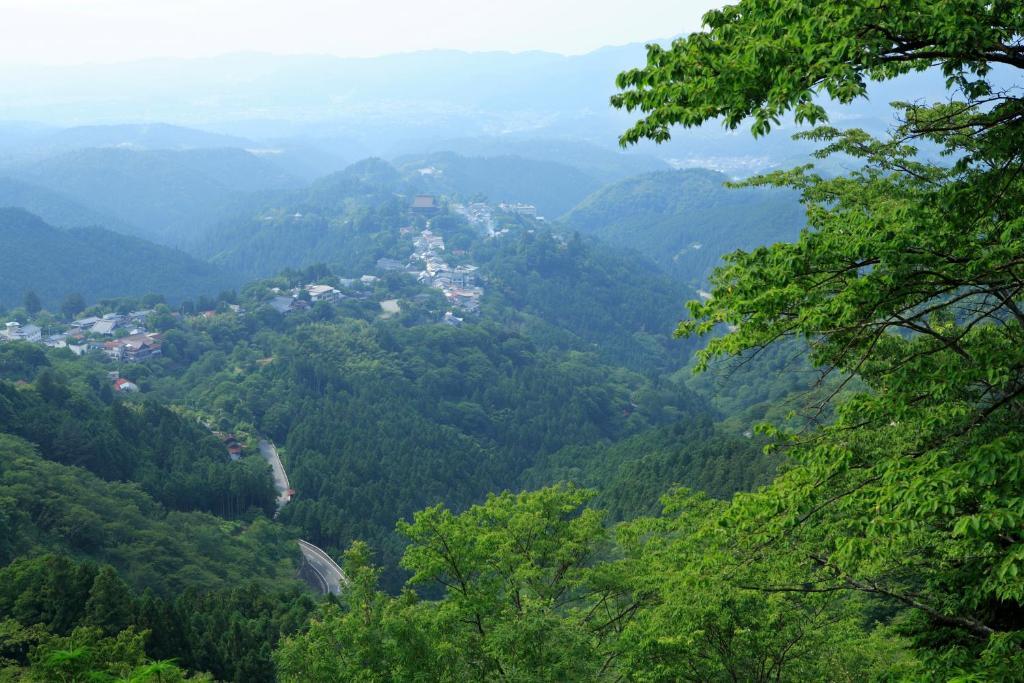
(122,337)
(428,263)
(127,337)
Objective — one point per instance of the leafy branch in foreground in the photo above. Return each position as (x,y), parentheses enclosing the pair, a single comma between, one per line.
(908,276)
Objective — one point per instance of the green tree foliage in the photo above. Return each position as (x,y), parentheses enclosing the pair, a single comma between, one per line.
(701,616)
(507,566)
(759,59)
(370,636)
(162,318)
(631,475)
(907,277)
(228,632)
(776,383)
(52,507)
(514,571)
(174,459)
(109,603)
(21,361)
(378,420)
(575,293)
(87,656)
(31,302)
(534,589)
(74,304)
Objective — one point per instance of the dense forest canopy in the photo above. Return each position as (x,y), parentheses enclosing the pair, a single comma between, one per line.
(378,418)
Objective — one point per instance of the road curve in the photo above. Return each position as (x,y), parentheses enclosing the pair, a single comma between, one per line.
(281,485)
(323,569)
(328,574)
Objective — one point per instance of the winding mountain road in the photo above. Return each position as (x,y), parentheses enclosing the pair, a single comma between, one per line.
(281,485)
(328,575)
(319,570)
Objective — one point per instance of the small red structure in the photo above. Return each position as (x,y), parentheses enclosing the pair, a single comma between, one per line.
(125,386)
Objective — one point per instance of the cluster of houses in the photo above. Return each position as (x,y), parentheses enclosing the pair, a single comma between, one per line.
(458,284)
(123,337)
(134,348)
(427,264)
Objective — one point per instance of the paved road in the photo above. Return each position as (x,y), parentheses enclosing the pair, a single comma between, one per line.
(328,573)
(281,485)
(324,570)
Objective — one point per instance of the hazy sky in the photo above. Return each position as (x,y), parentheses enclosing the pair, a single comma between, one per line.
(79,31)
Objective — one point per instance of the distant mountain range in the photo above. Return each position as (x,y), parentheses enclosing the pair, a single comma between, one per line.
(602,163)
(168,196)
(94,262)
(383,106)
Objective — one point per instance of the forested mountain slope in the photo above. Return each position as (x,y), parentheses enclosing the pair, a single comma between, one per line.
(575,292)
(69,411)
(50,507)
(347,219)
(95,263)
(686,220)
(631,475)
(379,419)
(128,483)
(882,538)
(66,615)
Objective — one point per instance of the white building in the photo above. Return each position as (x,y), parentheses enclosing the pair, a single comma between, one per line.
(14,331)
(323,293)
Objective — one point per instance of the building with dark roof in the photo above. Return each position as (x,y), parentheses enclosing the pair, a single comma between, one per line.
(425,204)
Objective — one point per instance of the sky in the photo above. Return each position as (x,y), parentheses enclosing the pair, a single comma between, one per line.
(90,31)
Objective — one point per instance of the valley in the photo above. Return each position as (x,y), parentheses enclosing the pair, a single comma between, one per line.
(446,332)
(491,344)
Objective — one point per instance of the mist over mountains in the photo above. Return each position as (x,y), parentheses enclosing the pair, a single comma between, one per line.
(347,108)
(183,152)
